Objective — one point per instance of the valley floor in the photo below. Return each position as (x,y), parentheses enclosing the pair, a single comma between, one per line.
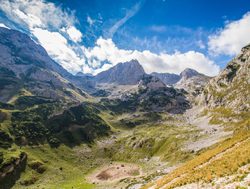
(133,156)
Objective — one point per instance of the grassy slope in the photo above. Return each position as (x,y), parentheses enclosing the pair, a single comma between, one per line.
(63,168)
(224,158)
(154,135)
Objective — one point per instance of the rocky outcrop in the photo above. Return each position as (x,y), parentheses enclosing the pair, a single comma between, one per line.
(231,88)
(192,81)
(167,78)
(188,73)
(10,172)
(127,73)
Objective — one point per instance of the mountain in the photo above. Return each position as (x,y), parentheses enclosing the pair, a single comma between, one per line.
(188,73)
(167,78)
(189,79)
(35,91)
(192,81)
(127,73)
(231,88)
(152,95)
(85,82)
(26,68)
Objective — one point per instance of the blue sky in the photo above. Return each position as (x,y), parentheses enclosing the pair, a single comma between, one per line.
(164,35)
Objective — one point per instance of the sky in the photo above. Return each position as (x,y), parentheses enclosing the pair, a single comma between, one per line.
(91,36)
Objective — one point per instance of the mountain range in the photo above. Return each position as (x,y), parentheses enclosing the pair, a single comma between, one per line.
(122,128)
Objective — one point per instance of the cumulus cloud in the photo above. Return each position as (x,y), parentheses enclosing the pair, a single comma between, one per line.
(74,34)
(55,29)
(57,45)
(37,13)
(105,49)
(230,39)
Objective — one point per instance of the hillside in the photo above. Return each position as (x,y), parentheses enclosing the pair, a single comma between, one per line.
(25,67)
(225,164)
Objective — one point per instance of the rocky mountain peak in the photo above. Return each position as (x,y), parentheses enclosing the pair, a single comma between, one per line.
(188,73)
(127,73)
(192,81)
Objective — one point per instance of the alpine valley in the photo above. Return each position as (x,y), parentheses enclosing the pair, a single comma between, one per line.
(122,128)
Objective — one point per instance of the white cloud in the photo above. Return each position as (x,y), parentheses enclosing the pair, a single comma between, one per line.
(74,34)
(4,26)
(231,38)
(37,13)
(105,49)
(57,46)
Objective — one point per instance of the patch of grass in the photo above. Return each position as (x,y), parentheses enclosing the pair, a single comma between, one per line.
(164,141)
(63,169)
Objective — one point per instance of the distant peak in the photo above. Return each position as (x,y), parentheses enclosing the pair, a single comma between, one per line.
(188,72)
(132,65)
(126,73)
(133,61)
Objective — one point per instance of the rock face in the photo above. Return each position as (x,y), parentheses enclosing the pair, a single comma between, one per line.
(231,88)
(127,73)
(188,73)
(192,81)
(26,65)
(167,78)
